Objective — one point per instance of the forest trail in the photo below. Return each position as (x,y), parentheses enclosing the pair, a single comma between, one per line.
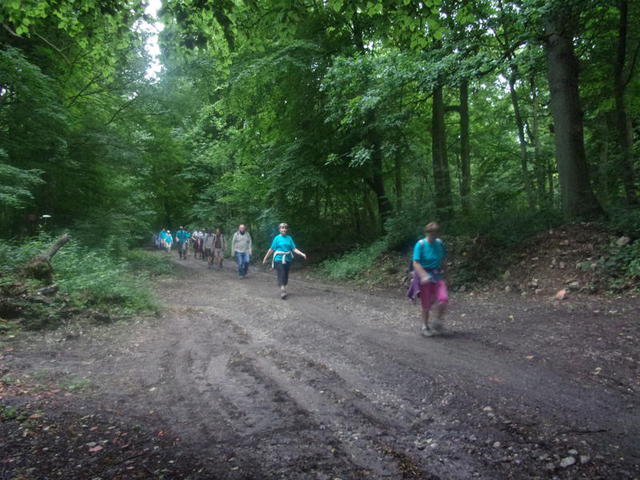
(337,383)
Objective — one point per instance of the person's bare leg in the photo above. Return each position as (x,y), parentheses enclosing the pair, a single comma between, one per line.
(439,311)
(425,317)
(426,329)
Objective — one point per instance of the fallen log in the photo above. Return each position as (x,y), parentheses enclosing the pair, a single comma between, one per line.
(39,267)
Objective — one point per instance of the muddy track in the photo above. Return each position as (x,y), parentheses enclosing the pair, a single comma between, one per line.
(337,383)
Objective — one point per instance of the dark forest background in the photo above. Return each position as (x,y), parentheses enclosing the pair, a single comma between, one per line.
(354,121)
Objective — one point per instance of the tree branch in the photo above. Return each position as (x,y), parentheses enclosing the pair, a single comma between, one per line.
(11,32)
(73,99)
(66,59)
(120,110)
(632,67)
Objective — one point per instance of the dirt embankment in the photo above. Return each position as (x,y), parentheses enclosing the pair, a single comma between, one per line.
(231,382)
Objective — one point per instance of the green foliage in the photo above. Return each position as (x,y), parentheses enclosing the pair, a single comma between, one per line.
(618,268)
(350,265)
(16,184)
(313,113)
(625,221)
(31,128)
(629,256)
(73,383)
(92,277)
(13,255)
(623,262)
(481,246)
(507,228)
(148,263)
(8,412)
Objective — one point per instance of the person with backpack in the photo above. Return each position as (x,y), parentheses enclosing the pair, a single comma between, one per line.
(429,256)
(282,247)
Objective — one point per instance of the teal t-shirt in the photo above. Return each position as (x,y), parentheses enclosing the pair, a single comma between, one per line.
(182,236)
(430,254)
(283,243)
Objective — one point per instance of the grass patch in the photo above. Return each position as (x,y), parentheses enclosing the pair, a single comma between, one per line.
(95,279)
(75,384)
(350,265)
(8,413)
(88,279)
(148,262)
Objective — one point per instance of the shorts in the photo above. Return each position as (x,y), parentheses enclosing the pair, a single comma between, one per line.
(217,252)
(207,252)
(431,292)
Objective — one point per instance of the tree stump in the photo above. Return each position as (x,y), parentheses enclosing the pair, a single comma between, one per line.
(39,267)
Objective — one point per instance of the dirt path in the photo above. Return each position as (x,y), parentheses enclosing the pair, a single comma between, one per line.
(336,383)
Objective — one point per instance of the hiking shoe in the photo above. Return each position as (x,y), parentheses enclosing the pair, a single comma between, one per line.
(426,331)
(283,295)
(438,327)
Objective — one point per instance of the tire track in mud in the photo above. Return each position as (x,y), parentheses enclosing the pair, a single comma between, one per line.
(366,433)
(355,344)
(337,384)
(467,363)
(263,425)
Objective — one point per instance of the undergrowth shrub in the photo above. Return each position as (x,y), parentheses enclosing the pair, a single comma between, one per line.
(91,277)
(478,245)
(481,247)
(13,255)
(506,229)
(353,263)
(621,267)
(147,262)
(625,221)
(94,278)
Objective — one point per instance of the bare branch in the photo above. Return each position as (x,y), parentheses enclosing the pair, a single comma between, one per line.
(123,107)
(66,59)
(11,32)
(632,66)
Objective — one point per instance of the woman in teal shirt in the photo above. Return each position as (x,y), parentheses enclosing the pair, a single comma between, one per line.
(282,249)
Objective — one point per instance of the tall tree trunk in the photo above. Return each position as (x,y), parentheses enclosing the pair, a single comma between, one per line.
(550,168)
(623,123)
(376,180)
(524,155)
(604,169)
(538,161)
(441,176)
(373,218)
(465,148)
(577,195)
(398,179)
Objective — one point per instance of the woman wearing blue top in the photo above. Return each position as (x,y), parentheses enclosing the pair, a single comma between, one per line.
(282,249)
(429,267)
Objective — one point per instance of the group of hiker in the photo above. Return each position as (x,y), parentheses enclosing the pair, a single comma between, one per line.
(206,244)
(428,263)
(210,245)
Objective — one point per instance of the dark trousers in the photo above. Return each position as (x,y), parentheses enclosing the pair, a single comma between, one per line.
(283,273)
